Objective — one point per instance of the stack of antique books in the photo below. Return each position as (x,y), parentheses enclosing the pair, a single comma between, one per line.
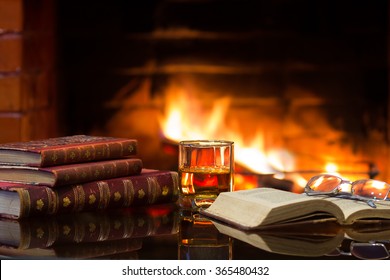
(78,173)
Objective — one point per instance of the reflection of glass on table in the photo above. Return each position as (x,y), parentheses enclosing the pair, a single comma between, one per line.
(199,239)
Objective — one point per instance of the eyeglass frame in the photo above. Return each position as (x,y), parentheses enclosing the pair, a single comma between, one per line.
(337,192)
(381,244)
(353,244)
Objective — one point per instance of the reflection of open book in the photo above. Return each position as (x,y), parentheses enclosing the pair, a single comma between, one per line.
(306,240)
(256,208)
(279,242)
(369,232)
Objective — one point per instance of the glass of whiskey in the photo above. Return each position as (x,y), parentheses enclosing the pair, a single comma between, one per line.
(206,168)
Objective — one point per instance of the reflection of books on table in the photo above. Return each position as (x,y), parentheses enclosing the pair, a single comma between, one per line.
(77,234)
(105,249)
(263,207)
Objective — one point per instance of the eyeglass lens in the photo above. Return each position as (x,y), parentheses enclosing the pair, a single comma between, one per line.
(366,188)
(324,183)
(371,188)
(369,251)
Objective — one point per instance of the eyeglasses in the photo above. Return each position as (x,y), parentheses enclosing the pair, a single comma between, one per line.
(367,190)
(372,250)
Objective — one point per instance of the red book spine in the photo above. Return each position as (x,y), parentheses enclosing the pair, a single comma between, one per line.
(148,188)
(87,153)
(70,150)
(101,170)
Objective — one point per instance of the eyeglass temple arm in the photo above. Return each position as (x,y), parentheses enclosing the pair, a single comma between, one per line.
(347,195)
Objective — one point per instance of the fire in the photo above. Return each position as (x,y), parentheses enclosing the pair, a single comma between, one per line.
(186,117)
(189,117)
(331,168)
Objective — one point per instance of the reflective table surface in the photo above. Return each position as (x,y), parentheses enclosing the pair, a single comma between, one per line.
(166,232)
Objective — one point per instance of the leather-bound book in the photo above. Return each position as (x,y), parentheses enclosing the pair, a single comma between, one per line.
(61,175)
(66,150)
(149,187)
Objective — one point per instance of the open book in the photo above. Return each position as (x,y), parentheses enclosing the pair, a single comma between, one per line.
(261,207)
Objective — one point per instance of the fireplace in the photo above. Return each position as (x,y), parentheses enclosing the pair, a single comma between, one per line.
(300,86)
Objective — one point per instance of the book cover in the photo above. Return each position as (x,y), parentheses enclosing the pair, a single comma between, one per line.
(89,227)
(66,150)
(56,176)
(148,188)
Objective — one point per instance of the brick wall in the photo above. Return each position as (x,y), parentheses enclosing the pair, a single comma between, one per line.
(27,70)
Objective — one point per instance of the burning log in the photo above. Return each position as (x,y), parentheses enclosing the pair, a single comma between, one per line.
(247,180)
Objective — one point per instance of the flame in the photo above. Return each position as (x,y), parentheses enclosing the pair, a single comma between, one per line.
(186,117)
(331,168)
(189,117)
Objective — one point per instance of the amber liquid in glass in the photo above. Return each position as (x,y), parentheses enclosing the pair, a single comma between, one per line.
(203,184)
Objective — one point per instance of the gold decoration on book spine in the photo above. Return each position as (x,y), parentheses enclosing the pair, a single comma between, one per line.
(128,192)
(130,148)
(72,155)
(165,190)
(79,197)
(54,157)
(117,196)
(91,199)
(66,202)
(52,201)
(141,193)
(25,201)
(87,154)
(39,205)
(175,180)
(154,189)
(104,191)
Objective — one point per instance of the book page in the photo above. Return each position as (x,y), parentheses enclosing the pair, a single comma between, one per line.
(9,203)
(355,210)
(264,206)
